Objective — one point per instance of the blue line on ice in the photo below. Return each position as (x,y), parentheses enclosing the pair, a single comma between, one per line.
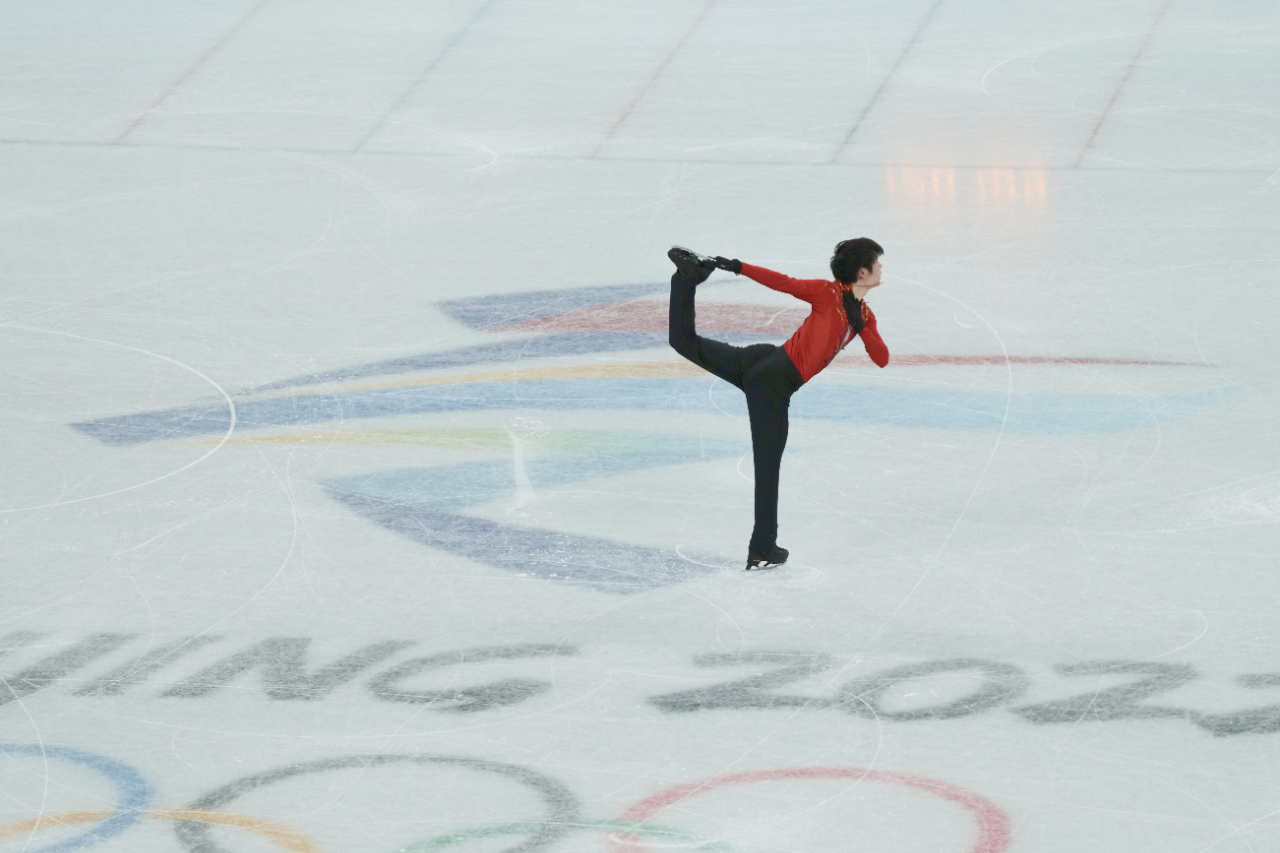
(423,504)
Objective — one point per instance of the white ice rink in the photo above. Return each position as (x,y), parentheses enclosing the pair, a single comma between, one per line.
(353,502)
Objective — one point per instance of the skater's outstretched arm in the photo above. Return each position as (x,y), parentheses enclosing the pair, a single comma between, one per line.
(815,290)
(827,330)
(810,290)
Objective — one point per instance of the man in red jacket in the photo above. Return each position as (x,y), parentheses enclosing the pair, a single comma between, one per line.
(769,374)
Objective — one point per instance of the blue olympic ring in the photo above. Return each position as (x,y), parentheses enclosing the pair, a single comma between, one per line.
(133,792)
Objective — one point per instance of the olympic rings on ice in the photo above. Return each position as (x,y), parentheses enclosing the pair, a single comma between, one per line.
(623,835)
(281,836)
(133,794)
(562,805)
(440,842)
(294,842)
(994,826)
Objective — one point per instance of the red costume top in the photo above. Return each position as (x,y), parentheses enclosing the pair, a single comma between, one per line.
(826,331)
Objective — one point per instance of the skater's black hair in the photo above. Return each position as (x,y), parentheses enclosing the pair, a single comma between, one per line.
(850,256)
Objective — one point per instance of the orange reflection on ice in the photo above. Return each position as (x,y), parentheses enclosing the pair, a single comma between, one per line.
(945,186)
(1007,209)
(914,184)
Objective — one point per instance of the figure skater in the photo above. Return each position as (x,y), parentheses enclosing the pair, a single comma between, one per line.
(769,374)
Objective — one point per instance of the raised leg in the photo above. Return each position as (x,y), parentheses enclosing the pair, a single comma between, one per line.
(716,357)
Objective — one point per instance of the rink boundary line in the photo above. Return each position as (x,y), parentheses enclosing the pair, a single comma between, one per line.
(448,48)
(884,83)
(522,158)
(142,117)
(651,82)
(1124,80)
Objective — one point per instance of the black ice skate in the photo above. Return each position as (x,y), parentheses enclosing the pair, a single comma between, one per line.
(770,559)
(692,266)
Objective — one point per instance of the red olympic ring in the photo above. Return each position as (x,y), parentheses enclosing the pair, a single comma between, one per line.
(995,829)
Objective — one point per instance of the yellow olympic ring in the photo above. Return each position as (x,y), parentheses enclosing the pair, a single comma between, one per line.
(281,836)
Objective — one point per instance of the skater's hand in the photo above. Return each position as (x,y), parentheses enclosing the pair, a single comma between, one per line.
(732,265)
(853,310)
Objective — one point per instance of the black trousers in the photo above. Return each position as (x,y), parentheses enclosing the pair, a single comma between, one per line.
(767,376)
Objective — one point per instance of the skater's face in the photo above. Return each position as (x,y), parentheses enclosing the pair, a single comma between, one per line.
(869,278)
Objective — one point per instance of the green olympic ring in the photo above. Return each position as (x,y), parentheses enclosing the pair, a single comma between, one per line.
(442,841)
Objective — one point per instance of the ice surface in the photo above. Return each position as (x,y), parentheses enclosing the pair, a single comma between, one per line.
(355,502)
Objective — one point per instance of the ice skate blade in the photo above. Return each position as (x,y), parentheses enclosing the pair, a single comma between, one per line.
(769,559)
(763,567)
(694,267)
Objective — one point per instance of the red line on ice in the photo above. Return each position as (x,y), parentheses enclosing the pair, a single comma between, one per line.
(649,315)
(995,829)
(916,360)
(155,105)
(1115,96)
(653,78)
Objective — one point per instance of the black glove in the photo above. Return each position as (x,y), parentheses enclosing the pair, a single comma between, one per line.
(853,310)
(734,266)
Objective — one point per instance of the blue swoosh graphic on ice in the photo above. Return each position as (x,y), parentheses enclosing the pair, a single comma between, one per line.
(424,504)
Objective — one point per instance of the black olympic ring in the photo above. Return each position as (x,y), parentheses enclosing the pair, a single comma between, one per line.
(563,805)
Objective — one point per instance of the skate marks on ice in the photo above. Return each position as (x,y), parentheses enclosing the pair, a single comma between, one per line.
(539,810)
(487,679)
